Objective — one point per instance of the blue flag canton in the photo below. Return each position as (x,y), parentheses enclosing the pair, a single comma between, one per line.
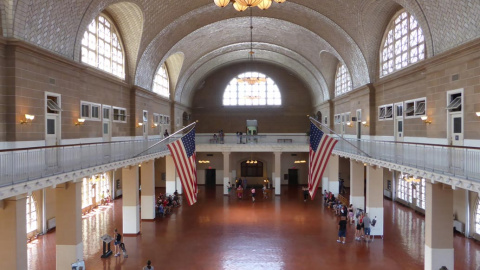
(315,136)
(189,142)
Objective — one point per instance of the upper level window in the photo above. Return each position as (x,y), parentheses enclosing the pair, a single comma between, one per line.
(343,81)
(102,48)
(160,83)
(404,44)
(252,89)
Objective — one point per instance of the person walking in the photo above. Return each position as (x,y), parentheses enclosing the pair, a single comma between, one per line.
(253,194)
(148,266)
(305,194)
(342,229)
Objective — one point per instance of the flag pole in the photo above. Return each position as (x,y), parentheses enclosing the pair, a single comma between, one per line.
(325,126)
(168,137)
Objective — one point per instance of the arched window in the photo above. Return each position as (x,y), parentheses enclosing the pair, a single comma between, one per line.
(252,89)
(161,85)
(404,44)
(102,47)
(343,81)
(31,214)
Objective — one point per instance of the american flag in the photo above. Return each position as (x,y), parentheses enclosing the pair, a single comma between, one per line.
(183,153)
(321,146)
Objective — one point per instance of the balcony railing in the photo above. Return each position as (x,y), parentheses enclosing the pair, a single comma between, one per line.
(22,165)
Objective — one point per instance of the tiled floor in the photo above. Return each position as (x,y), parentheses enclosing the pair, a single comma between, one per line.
(278,233)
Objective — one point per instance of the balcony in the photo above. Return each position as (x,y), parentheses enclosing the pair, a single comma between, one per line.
(34,168)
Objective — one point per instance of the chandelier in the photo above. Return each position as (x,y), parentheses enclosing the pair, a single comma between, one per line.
(251,161)
(242,5)
(411,178)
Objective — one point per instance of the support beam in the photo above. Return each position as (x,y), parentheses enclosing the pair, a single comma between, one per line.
(226,172)
(170,175)
(68,219)
(278,173)
(333,184)
(131,207)
(438,226)
(357,184)
(148,190)
(375,198)
(13,232)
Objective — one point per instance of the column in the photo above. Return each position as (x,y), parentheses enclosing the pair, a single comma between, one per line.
(226,172)
(68,219)
(13,232)
(438,226)
(333,184)
(178,184)
(148,190)
(170,175)
(131,208)
(375,198)
(278,173)
(357,184)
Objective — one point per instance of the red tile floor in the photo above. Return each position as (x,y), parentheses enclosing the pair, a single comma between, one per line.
(283,232)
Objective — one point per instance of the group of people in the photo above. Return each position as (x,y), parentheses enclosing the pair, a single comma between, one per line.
(220,138)
(240,191)
(362,221)
(165,204)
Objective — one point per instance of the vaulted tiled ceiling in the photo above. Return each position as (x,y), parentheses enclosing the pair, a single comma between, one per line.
(308,37)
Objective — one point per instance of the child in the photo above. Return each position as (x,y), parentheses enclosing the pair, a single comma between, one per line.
(118,240)
(253,194)
(342,229)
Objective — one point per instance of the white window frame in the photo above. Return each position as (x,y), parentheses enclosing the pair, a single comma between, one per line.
(385,109)
(145,116)
(120,109)
(358,114)
(415,104)
(31,216)
(91,105)
(58,103)
(156,118)
(348,117)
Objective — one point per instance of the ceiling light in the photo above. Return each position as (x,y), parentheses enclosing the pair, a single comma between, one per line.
(242,5)
(221,3)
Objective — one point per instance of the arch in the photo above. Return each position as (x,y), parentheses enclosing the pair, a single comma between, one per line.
(174,64)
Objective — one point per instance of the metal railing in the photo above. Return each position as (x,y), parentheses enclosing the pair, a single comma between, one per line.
(458,161)
(22,165)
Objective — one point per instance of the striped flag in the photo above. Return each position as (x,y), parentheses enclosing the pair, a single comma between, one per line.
(183,153)
(321,146)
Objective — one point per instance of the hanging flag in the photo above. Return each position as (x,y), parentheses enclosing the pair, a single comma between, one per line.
(321,146)
(183,153)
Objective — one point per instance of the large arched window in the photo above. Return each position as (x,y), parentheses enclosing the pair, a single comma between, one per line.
(102,47)
(252,89)
(403,45)
(31,214)
(343,81)
(160,83)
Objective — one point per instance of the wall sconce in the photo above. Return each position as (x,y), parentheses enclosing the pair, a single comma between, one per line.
(80,121)
(349,124)
(154,125)
(478,114)
(364,123)
(425,119)
(28,119)
(139,125)
(204,161)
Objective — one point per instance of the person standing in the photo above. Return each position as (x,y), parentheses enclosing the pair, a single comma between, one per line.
(165,135)
(253,194)
(342,229)
(148,266)
(366,227)
(229,188)
(305,194)
(118,240)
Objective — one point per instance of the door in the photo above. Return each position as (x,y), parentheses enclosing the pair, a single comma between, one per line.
(456,130)
(292,177)
(52,138)
(359,124)
(398,126)
(145,125)
(106,123)
(210,178)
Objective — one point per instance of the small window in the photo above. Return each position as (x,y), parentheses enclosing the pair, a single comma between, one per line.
(399,111)
(359,115)
(388,112)
(156,118)
(410,108)
(120,114)
(381,113)
(145,116)
(420,108)
(85,110)
(106,113)
(347,117)
(52,105)
(455,103)
(95,111)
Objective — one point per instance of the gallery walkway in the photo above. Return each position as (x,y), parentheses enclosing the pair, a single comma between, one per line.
(278,233)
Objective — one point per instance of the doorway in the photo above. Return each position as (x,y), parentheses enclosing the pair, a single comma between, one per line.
(210,178)
(292,177)
(398,126)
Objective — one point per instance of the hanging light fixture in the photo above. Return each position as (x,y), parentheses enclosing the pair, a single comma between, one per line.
(221,3)
(251,79)
(242,5)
